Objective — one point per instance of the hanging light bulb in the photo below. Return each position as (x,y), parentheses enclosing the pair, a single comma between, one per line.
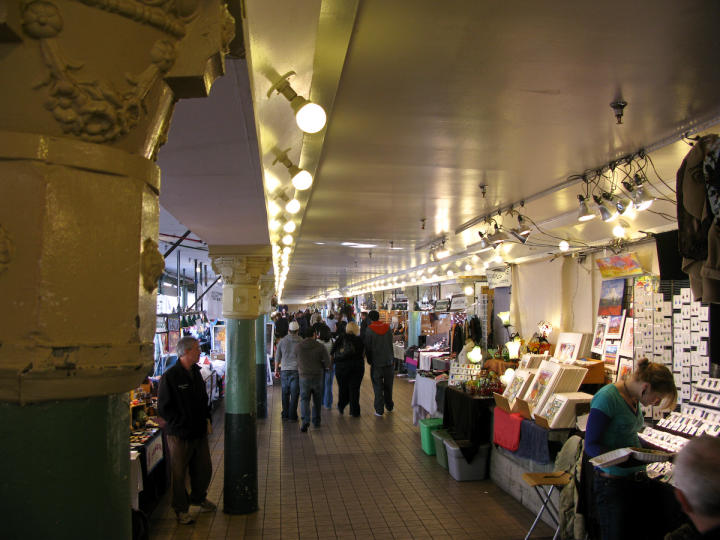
(289,227)
(468,267)
(287,239)
(563,245)
(450,273)
(469,290)
(274,225)
(620,229)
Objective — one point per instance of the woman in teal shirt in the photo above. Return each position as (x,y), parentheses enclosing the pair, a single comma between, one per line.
(614,422)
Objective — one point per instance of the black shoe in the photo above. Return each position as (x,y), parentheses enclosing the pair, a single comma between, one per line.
(305,427)
(341,410)
(389,409)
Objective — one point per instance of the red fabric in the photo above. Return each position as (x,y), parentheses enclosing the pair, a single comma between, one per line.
(507,429)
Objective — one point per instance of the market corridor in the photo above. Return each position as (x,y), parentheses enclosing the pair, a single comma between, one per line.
(353,478)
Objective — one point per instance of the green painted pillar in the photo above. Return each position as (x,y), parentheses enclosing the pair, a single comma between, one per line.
(261,367)
(413,327)
(241,483)
(59,456)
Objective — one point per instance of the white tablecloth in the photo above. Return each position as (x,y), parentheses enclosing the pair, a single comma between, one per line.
(423,399)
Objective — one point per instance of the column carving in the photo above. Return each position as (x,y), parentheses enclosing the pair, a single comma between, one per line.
(267,289)
(81,118)
(241,275)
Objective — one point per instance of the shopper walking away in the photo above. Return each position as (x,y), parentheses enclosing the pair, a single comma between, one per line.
(313,360)
(363,324)
(286,367)
(183,405)
(347,355)
(379,353)
(325,339)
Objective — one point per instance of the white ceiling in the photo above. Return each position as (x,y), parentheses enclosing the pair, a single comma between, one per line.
(426,100)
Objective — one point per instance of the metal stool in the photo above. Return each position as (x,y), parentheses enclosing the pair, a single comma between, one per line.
(540,481)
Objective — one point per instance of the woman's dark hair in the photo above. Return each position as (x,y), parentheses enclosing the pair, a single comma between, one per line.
(323,331)
(661,380)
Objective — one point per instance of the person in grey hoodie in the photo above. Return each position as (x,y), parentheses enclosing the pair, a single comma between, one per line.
(286,358)
(379,354)
(313,361)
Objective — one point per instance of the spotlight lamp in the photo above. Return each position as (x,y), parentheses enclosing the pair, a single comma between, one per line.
(300,178)
(523,228)
(518,235)
(497,236)
(607,212)
(623,206)
(640,197)
(309,116)
(584,213)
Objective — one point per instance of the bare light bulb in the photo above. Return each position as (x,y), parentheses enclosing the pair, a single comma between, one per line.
(469,290)
(564,245)
(287,239)
(302,180)
(310,117)
(289,227)
(293,207)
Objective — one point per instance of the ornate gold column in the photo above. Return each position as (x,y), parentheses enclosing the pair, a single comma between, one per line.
(87,94)
(241,268)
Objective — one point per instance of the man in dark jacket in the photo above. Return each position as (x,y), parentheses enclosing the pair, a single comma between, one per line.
(313,360)
(183,404)
(379,353)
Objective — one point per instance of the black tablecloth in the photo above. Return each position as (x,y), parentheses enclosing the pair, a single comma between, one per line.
(440,389)
(468,418)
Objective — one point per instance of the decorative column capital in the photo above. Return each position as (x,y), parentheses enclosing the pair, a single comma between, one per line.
(241,268)
(267,289)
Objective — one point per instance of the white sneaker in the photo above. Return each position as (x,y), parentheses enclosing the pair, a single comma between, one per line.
(207,506)
(378,414)
(184,518)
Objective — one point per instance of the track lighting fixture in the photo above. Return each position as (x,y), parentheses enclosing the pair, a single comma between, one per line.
(640,197)
(624,206)
(584,213)
(498,236)
(523,228)
(300,178)
(309,116)
(518,235)
(607,211)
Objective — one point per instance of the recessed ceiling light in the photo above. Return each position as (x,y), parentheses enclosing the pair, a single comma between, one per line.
(357,245)
(319,243)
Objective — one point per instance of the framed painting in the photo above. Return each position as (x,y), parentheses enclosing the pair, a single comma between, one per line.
(568,346)
(612,292)
(625,367)
(599,336)
(615,326)
(610,354)
(627,343)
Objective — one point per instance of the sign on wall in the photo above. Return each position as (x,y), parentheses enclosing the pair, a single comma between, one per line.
(499,277)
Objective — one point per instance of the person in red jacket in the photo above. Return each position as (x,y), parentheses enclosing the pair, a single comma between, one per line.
(379,354)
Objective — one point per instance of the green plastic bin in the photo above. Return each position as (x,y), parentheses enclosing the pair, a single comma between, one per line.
(427,426)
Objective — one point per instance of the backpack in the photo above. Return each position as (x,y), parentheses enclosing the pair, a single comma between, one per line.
(346,349)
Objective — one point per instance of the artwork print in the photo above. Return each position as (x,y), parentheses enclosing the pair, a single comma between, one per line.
(624,368)
(610,354)
(515,387)
(627,343)
(599,336)
(620,265)
(565,351)
(553,409)
(615,326)
(538,389)
(568,346)
(611,297)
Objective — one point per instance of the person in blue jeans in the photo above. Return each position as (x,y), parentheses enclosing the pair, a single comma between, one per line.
(313,362)
(325,339)
(620,491)
(286,367)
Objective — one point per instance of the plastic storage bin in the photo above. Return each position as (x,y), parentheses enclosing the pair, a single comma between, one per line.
(427,426)
(440,436)
(459,468)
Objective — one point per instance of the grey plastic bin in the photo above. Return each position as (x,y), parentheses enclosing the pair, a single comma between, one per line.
(459,468)
(440,436)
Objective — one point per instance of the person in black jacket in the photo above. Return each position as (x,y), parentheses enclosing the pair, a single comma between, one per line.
(347,355)
(183,405)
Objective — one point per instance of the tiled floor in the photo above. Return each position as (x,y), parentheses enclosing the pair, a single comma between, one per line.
(352,478)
